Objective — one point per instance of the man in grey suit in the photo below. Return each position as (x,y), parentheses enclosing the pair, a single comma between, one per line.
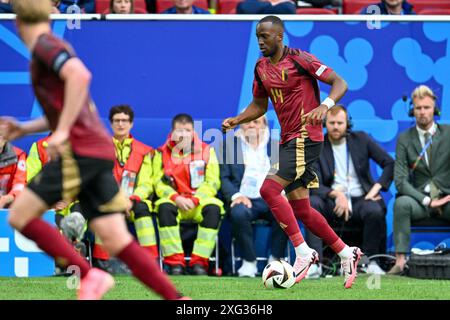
(421,172)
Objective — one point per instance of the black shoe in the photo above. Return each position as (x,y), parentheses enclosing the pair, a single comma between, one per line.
(198,270)
(176,270)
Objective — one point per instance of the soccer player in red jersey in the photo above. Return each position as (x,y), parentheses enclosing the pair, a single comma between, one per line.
(82,159)
(289,77)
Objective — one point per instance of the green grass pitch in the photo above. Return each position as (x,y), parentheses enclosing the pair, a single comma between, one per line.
(233,288)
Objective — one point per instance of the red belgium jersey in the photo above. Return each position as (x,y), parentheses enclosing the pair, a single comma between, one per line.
(292,87)
(88,136)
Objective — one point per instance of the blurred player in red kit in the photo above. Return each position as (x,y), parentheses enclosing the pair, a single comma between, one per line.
(82,159)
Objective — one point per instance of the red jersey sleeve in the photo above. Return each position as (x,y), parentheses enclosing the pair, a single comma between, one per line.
(258,89)
(52,52)
(313,66)
(20,176)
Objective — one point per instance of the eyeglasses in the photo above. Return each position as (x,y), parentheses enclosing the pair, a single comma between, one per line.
(117,121)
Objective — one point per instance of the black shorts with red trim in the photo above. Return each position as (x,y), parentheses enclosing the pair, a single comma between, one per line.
(297,159)
(89,180)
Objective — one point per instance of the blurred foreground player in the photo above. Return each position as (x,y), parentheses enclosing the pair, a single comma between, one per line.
(289,76)
(82,159)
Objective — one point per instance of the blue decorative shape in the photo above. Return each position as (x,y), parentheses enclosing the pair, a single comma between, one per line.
(358,53)
(20,257)
(299,29)
(436,31)
(407,52)
(441,72)
(399,110)
(364,118)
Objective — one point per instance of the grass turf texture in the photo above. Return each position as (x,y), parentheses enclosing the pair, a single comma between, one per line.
(233,288)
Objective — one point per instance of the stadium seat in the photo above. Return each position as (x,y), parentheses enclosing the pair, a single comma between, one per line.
(228,6)
(102,6)
(314,11)
(163,5)
(434,11)
(355,6)
(419,5)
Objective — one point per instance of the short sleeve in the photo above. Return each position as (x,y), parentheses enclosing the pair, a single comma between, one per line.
(52,52)
(258,88)
(313,66)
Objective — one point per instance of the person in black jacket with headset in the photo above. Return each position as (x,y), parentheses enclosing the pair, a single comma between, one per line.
(347,191)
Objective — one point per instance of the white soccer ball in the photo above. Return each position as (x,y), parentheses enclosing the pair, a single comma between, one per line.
(278,274)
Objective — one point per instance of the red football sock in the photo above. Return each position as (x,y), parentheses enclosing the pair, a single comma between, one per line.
(143,266)
(316,223)
(54,244)
(282,211)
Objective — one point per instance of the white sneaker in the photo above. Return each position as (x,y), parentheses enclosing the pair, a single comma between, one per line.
(248,269)
(374,268)
(302,265)
(314,272)
(349,266)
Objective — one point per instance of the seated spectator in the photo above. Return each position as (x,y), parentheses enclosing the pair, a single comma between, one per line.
(421,174)
(121,6)
(68,216)
(5,6)
(13,174)
(389,7)
(266,7)
(185,7)
(186,176)
(37,158)
(86,6)
(133,172)
(241,179)
(347,191)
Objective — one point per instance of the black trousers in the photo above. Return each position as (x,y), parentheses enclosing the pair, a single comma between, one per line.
(367,214)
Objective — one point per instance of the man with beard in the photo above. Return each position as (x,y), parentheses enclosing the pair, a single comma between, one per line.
(347,191)
(421,173)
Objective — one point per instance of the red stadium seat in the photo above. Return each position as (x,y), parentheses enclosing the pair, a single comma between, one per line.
(228,6)
(102,6)
(434,11)
(355,6)
(314,11)
(163,5)
(419,5)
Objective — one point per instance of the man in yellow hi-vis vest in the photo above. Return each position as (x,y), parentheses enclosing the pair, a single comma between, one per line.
(37,158)
(186,176)
(133,172)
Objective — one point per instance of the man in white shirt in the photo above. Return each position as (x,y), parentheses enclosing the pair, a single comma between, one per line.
(241,179)
(422,172)
(348,192)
